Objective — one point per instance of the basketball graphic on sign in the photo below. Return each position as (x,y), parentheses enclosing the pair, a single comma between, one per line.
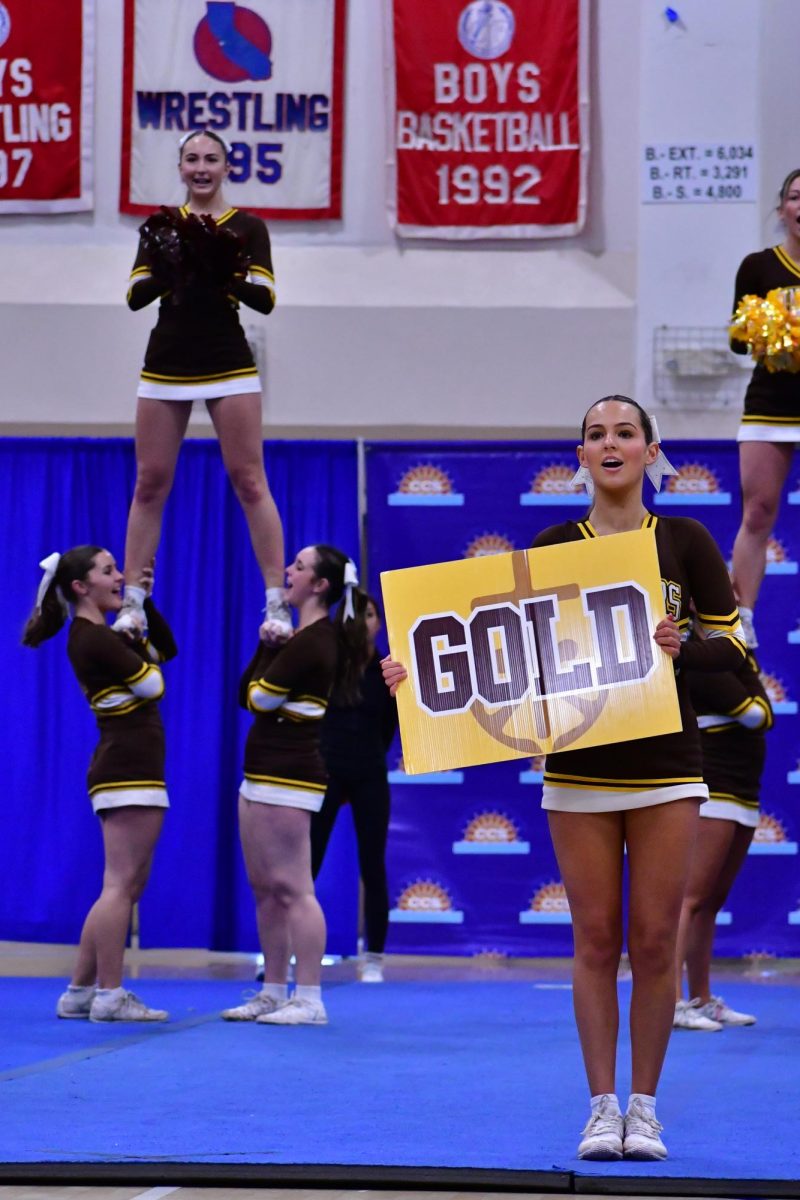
(486,28)
(233,43)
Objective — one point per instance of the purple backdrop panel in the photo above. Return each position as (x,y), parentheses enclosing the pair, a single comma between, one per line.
(470,862)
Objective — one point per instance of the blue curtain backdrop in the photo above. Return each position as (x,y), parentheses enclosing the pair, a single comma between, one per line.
(55,494)
(471,867)
(453,888)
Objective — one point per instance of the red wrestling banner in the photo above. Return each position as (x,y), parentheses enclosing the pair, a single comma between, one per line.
(489,127)
(46,105)
(265,75)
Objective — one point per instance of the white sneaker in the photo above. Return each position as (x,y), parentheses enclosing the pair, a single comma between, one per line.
(75,1005)
(690,1014)
(717,1010)
(602,1137)
(125,1007)
(372,968)
(296,1012)
(642,1142)
(131,621)
(257,1006)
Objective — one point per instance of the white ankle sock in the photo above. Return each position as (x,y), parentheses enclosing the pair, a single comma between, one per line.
(275,991)
(305,991)
(596,1101)
(111,993)
(648,1102)
(135,595)
(80,989)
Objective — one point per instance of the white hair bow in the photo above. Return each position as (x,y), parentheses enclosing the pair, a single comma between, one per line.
(50,565)
(662,466)
(350,581)
(655,472)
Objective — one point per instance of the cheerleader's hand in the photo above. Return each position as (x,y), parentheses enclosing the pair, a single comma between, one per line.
(147,578)
(393,674)
(274,632)
(668,636)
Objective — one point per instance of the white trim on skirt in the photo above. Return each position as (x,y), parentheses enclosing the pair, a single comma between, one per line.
(284,797)
(590,800)
(213,390)
(729,810)
(769,433)
(145,797)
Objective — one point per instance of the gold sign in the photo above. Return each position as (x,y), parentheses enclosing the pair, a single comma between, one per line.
(513,655)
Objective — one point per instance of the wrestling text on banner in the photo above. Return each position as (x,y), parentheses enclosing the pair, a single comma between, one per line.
(267,76)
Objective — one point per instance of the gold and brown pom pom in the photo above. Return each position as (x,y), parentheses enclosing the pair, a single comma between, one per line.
(770,326)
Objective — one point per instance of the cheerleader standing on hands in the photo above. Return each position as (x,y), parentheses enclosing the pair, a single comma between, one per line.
(642,795)
(770,427)
(201,261)
(122,681)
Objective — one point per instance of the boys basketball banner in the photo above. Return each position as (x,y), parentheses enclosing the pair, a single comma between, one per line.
(46,105)
(516,655)
(266,75)
(489,108)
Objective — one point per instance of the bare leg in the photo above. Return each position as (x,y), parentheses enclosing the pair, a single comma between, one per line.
(589,849)
(276,843)
(160,429)
(763,467)
(721,849)
(237,420)
(129,839)
(660,844)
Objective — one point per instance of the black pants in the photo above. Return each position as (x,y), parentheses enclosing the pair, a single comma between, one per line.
(368,795)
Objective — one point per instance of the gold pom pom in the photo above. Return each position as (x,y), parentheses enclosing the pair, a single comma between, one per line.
(771,328)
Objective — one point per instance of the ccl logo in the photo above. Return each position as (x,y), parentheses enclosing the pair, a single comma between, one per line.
(506,652)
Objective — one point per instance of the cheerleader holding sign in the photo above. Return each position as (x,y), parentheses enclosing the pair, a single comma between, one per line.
(642,796)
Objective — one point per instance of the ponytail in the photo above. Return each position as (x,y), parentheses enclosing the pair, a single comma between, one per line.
(55,592)
(354,651)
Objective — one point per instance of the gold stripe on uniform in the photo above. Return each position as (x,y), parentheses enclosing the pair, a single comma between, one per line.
(272,688)
(588,530)
(295,784)
(219,377)
(132,783)
(726,622)
(753,419)
(185,211)
(618,785)
(729,798)
(787,261)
